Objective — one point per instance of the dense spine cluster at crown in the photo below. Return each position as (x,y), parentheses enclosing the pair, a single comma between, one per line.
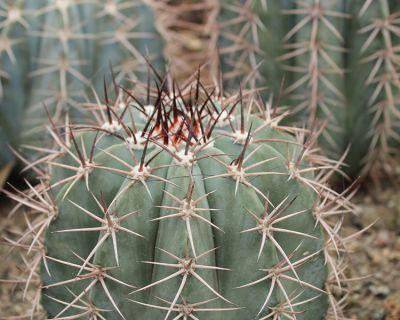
(177,203)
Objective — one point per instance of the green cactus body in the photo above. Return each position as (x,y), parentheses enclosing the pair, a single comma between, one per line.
(238,40)
(331,63)
(271,37)
(186,221)
(356,118)
(258,28)
(127,33)
(58,77)
(373,107)
(13,67)
(317,91)
(63,49)
(300,49)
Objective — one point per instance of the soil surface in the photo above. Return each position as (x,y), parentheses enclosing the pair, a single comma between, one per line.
(376,257)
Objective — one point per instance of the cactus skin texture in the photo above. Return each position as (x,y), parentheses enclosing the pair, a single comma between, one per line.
(79,41)
(317,90)
(238,40)
(199,208)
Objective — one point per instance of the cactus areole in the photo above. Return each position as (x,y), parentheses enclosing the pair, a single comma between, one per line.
(184,205)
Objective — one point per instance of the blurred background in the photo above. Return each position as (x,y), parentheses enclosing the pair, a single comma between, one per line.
(333,64)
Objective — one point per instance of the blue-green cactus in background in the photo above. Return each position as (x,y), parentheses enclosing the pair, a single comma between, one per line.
(332,64)
(61,50)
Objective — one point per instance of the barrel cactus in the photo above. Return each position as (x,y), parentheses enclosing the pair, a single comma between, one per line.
(185,205)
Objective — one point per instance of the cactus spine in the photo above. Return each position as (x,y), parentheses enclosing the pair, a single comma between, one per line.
(238,40)
(318,53)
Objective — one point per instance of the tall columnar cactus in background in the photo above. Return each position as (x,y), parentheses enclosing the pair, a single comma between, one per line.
(317,88)
(297,51)
(330,62)
(13,68)
(127,32)
(186,205)
(374,102)
(238,40)
(63,49)
(251,34)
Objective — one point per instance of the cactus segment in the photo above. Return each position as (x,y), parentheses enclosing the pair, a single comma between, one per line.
(319,68)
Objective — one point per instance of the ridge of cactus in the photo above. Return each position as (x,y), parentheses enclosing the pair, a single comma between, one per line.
(184,204)
(332,64)
(297,51)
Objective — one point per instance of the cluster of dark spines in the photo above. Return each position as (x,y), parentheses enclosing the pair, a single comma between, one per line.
(88,198)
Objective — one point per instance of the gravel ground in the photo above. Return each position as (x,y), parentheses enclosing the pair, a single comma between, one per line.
(14,304)
(375,258)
